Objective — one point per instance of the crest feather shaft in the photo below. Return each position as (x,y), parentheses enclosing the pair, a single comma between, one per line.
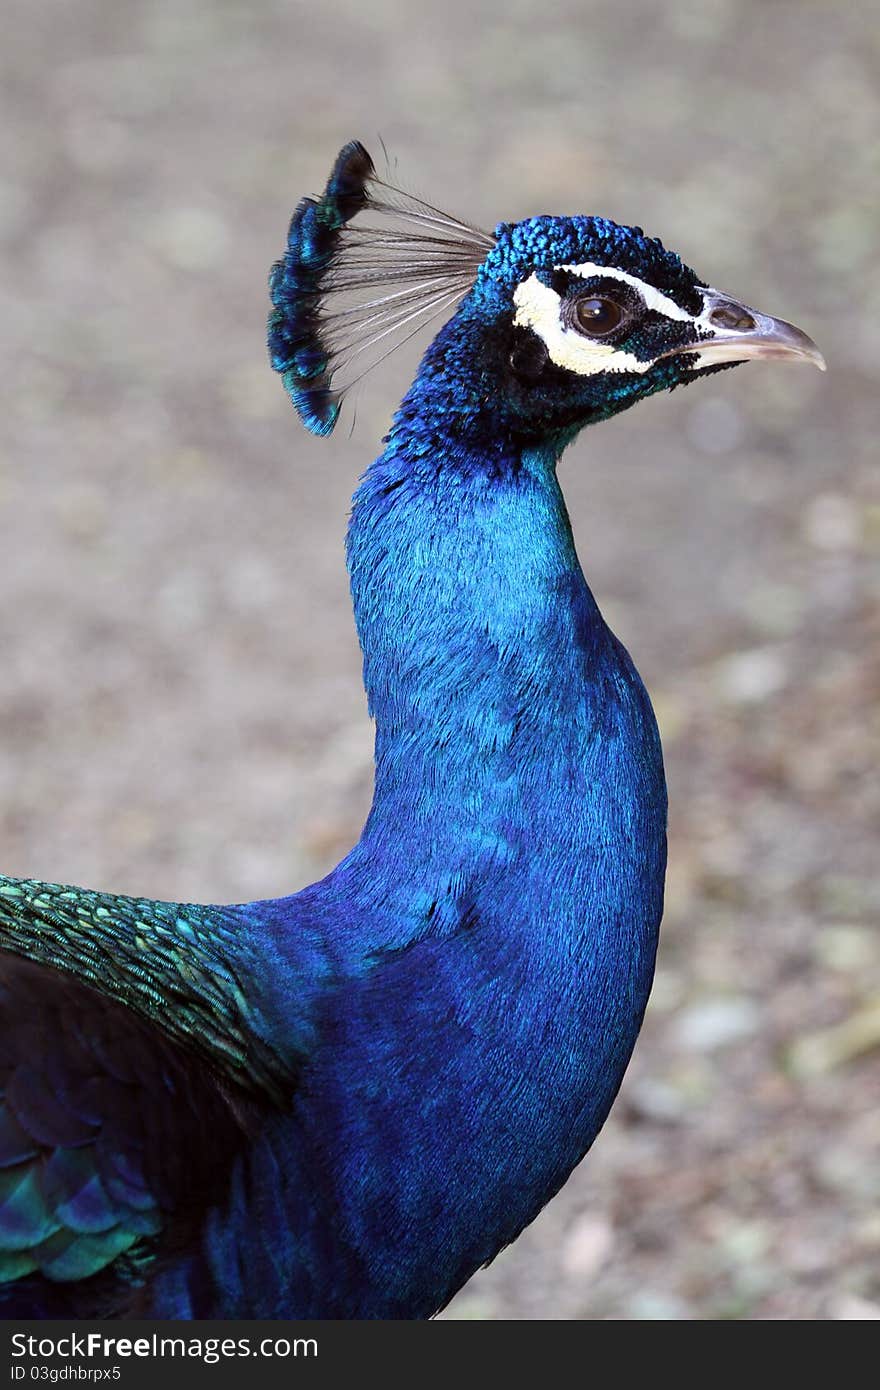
(331,322)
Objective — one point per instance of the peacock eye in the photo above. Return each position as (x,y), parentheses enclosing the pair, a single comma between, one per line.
(597,317)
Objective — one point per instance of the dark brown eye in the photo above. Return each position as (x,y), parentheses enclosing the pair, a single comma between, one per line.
(597,317)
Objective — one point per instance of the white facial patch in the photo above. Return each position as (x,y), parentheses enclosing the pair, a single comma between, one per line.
(538,308)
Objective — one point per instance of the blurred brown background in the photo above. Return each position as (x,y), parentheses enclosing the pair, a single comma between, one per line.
(180,700)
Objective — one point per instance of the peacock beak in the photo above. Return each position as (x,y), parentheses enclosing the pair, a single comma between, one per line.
(741,334)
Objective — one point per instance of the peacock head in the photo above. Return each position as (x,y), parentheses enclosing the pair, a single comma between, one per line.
(557,322)
(596,316)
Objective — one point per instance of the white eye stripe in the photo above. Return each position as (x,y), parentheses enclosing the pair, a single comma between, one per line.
(652,297)
(537,308)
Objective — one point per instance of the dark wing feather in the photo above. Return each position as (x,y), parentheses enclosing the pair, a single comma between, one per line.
(186,968)
(113,1143)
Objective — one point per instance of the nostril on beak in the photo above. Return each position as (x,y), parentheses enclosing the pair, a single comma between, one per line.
(731,316)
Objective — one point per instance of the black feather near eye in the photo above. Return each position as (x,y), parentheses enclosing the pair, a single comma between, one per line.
(528,356)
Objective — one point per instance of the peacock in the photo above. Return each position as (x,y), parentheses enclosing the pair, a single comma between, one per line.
(341,1103)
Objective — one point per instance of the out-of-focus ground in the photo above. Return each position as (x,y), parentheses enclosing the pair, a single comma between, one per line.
(180,700)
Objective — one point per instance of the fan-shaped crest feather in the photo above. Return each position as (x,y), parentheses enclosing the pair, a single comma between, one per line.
(345,295)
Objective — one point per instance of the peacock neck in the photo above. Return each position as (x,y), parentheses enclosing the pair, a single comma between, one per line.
(509,880)
(481,640)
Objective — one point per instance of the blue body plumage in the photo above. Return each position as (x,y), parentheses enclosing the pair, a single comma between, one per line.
(342,1103)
